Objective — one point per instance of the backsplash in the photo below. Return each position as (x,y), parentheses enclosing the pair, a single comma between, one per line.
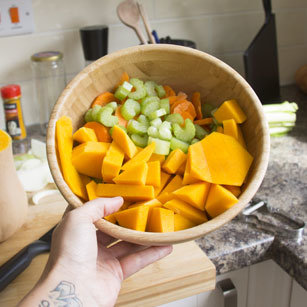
(223,28)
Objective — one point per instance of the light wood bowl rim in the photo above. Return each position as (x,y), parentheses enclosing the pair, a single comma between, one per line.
(149,238)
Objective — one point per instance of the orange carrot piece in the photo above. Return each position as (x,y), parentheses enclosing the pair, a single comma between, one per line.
(169,91)
(101,131)
(123,78)
(103,99)
(121,120)
(204,121)
(197,104)
(184,106)
(186,115)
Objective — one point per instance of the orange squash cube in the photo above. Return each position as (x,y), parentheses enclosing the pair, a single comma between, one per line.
(163,181)
(91,190)
(174,160)
(135,175)
(230,109)
(154,173)
(231,128)
(121,138)
(161,220)
(181,223)
(84,134)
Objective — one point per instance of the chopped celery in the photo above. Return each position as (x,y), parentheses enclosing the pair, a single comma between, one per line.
(120,126)
(165,132)
(130,109)
(280,117)
(156,114)
(194,141)
(140,90)
(160,90)
(200,132)
(106,118)
(143,120)
(112,105)
(121,93)
(206,109)
(286,106)
(162,147)
(150,88)
(147,100)
(185,134)
(95,111)
(175,118)
(153,131)
(175,143)
(138,140)
(164,104)
(156,122)
(127,86)
(150,106)
(135,127)
(88,115)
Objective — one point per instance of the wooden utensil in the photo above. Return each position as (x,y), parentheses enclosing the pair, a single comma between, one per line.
(146,22)
(184,69)
(128,13)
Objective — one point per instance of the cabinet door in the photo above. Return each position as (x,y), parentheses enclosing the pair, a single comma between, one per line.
(298,295)
(269,285)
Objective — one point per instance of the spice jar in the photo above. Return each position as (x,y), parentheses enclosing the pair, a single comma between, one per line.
(49,81)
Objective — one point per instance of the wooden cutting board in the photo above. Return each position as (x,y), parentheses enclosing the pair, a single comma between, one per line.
(185,272)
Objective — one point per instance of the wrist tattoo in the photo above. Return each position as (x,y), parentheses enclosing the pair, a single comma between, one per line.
(63,295)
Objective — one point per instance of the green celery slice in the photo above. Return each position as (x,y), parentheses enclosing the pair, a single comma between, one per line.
(140,90)
(185,134)
(130,109)
(112,105)
(164,104)
(135,127)
(165,132)
(150,88)
(175,143)
(156,122)
(143,120)
(95,111)
(206,109)
(147,100)
(139,140)
(106,118)
(121,93)
(160,90)
(127,86)
(149,107)
(175,118)
(195,141)
(120,126)
(162,147)
(200,132)
(156,114)
(88,115)
(286,106)
(153,131)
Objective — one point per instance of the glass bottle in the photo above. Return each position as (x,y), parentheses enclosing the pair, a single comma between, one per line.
(49,81)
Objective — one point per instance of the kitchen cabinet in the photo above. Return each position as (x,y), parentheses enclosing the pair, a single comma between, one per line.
(298,295)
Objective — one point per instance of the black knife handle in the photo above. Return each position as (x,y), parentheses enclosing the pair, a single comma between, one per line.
(13,267)
(267,8)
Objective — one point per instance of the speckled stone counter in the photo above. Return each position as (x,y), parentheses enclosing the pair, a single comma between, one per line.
(237,245)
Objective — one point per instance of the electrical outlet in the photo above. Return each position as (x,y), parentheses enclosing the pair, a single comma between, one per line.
(16,17)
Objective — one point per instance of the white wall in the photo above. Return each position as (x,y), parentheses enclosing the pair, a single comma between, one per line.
(223,28)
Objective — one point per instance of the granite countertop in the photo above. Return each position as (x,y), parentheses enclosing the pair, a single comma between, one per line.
(284,187)
(236,244)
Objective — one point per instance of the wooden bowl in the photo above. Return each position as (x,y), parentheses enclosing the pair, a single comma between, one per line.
(186,70)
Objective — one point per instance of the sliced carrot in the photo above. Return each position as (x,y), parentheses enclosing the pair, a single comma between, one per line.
(169,91)
(101,131)
(186,115)
(182,95)
(103,99)
(197,104)
(121,120)
(124,77)
(184,106)
(205,121)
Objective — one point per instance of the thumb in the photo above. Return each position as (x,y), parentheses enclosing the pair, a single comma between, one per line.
(95,209)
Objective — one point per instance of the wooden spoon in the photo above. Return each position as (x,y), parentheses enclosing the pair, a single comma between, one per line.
(128,13)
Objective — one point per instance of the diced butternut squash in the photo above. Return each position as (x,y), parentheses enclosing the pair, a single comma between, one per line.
(161,220)
(87,158)
(187,178)
(173,185)
(64,144)
(134,218)
(236,191)
(220,129)
(181,223)
(219,200)
(220,159)
(156,157)
(154,173)
(102,132)
(111,218)
(121,138)
(128,193)
(230,109)
(231,128)
(174,160)
(142,156)
(91,190)
(154,203)
(84,134)
(164,180)
(136,175)
(112,162)
(194,194)
(187,211)
(181,169)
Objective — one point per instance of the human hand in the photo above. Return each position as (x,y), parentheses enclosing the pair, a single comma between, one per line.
(81,270)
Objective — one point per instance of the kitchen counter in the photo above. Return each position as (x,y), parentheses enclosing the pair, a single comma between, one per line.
(236,244)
